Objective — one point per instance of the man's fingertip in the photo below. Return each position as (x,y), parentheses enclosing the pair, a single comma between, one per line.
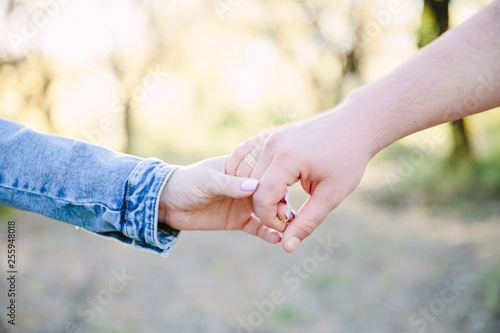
(292,244)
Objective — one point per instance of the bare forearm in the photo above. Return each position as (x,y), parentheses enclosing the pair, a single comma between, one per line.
(456,76)
(329,152)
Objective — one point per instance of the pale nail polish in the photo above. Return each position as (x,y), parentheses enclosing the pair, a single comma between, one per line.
(287,196)
(293,243)
(287,213)
(249,185)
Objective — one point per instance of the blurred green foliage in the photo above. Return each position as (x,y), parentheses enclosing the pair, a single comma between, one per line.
(329,281)
(489,290)
(5,212)
(429,29)
(288,314)
(467,190)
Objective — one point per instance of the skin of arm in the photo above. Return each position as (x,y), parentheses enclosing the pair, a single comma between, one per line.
(455,76)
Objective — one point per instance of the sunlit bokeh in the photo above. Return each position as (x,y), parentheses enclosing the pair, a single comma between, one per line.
(193,77)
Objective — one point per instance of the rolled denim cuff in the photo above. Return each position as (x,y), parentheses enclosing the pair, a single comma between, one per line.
(142,199)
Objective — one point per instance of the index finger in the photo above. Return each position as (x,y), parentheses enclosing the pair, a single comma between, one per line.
(272,188)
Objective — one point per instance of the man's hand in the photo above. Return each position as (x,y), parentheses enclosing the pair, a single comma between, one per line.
(455,76)
(327,153)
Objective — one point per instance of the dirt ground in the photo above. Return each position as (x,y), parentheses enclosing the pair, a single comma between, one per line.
(366,269)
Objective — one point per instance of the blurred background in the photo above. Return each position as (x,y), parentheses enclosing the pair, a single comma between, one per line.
(187,80)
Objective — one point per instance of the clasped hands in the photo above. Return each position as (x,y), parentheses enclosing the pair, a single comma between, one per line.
(325,153)
(328,153)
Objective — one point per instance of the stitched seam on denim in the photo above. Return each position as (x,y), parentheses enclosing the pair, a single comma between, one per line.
(126,203)
(126,211)
(155,213)
(78,203)
(137,169)
(155,225)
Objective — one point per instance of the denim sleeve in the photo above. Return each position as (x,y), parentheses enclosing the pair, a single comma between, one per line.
(112,194)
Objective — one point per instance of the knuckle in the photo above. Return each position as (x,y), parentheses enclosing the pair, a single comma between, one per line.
(276,144)
(280,227)
(231,166)
(221,180)
(308,225)
(261,142)
(283,155)
(216,182)
(243,148)
(261,231)
(271,141)
(240,150)
(261,200)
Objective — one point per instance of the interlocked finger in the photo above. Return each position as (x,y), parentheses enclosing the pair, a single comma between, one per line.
(245,157)
(237,157)
(245,169)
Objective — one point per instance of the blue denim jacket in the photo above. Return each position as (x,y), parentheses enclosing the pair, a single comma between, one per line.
(112,194)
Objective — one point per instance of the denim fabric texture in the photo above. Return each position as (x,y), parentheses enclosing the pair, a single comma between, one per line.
(111,194)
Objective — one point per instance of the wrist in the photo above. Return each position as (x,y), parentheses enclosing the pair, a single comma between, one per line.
(166,208)
(163,207)
(374,113)
(358,119)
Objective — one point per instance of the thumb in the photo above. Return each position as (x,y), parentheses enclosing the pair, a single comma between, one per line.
(232,186)
(310,216)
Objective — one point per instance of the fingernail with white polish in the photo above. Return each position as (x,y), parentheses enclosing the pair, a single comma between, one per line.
(287,196)
(287,213)
(249,185)
(293,243)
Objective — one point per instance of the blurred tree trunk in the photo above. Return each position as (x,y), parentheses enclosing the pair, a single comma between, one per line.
(461,143)
(45,104)
(130,105)
(127,126)
(351,66)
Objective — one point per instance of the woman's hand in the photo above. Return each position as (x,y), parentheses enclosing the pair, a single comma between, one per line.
(201,197)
